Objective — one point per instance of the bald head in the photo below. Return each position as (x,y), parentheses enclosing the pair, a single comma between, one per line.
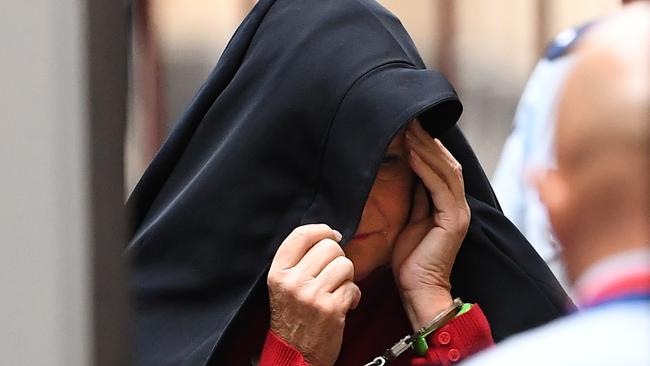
(599,197)
(606,99)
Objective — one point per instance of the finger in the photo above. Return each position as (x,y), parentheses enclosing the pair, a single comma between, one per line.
(347,296)
(421,209)
(442,197)
(298,242)
(416,131)
(430,152)
(430,162)
(423,136)
(335,273)
(319,256)
(445,152)
(458,186)
(433,155)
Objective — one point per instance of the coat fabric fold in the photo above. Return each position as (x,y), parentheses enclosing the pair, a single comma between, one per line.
(289,129)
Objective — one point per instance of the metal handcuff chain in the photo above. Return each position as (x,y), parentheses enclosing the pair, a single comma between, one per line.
(405,343)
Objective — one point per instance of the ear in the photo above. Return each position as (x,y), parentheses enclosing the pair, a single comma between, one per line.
(552,189)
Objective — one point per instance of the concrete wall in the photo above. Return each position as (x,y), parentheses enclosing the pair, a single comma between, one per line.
(61,196)
(45,306)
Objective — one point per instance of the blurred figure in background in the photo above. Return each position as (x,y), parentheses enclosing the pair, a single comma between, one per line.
(598,201)
(529,147)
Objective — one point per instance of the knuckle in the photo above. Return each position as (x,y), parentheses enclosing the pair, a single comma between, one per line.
(350,294)
(344,264)
(316,227)
(306,297)
(465,216)
(340,320)
(299,233)
(341,263)
(332,247)
(462,214)
(461,229)
(354,290)
(320,226)
(304,232)
(457,168)
(354,287)
(290,284)
(273,279)
(345,261)
(328,308)
(287,286)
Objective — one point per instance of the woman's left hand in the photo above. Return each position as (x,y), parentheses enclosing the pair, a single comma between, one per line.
(425,250)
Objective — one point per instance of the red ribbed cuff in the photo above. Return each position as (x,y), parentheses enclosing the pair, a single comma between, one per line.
(277,352)
(462,337)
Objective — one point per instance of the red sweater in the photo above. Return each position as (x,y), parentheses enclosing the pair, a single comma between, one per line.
(378,322)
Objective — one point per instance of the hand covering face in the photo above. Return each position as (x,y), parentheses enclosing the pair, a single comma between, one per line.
(289,129)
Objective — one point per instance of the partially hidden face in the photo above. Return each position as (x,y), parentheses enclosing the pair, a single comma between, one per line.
(385,213)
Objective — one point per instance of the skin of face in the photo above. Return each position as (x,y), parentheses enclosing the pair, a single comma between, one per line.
(385,213)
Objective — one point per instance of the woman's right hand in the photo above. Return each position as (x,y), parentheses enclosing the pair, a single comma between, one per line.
(310,291)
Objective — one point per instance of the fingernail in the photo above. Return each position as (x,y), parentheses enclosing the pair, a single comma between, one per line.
(337,235)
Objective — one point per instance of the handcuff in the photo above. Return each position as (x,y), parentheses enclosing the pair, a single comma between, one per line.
(417,340)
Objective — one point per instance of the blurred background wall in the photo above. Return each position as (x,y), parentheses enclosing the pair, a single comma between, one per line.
(487,48)
(62,123)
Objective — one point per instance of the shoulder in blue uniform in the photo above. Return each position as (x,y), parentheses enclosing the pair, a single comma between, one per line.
(565,41)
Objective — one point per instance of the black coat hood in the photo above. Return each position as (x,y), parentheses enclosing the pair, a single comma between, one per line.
(289,129)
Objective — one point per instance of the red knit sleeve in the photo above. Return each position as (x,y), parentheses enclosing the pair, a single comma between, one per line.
(462,337)
(277,352)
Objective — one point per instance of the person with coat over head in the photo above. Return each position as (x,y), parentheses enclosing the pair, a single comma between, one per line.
(310,207)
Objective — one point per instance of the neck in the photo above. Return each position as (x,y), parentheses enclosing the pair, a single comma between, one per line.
(617,276)
(605,240)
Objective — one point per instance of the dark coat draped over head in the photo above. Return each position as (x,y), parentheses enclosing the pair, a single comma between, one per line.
(289,129)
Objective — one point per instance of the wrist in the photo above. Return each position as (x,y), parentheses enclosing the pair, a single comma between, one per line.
(423,305)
